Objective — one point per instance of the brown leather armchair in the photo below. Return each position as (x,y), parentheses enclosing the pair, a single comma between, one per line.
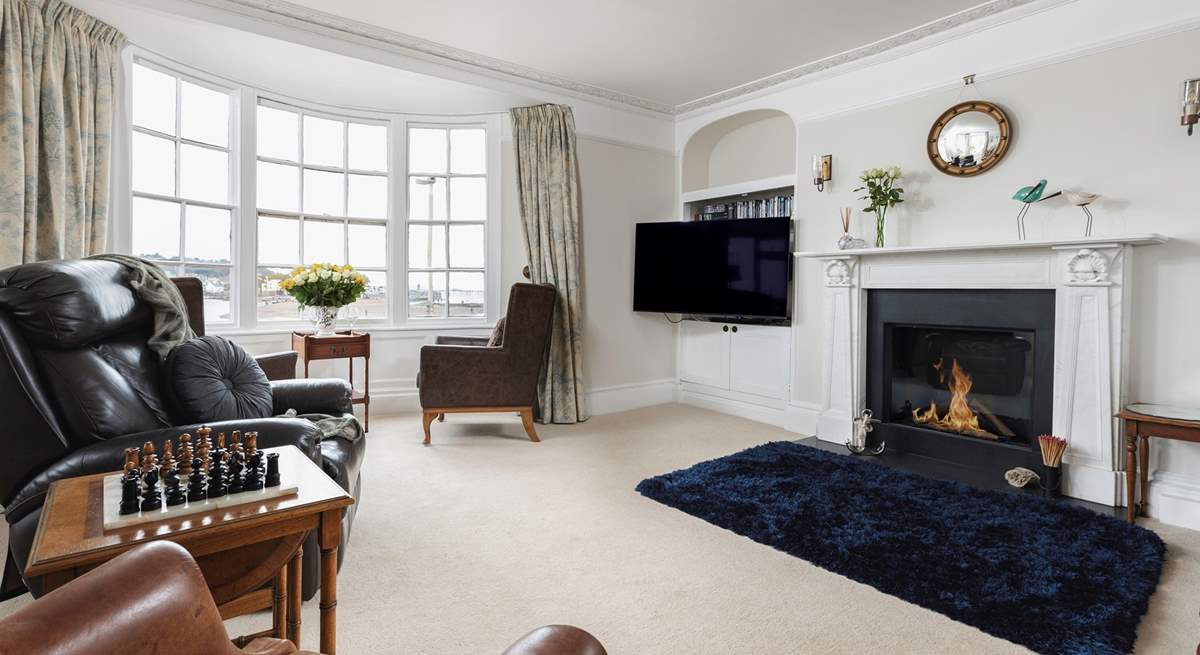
(153,599)
(464,374)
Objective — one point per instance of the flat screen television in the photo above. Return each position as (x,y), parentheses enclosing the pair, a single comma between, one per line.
(726,268)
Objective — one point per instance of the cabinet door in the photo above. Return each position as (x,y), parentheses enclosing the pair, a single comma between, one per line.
(759,360)
(704,353)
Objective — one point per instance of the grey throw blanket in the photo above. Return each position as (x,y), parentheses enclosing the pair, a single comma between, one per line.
(343,427)
(155,288)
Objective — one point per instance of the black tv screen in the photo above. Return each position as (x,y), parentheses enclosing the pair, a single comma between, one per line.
(734,268)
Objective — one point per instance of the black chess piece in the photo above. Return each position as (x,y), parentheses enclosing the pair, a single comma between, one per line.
(197,489)
(151,499)
(272,469)
(254,472)
(217,484)
(174,494)
(130,486)
(236,468)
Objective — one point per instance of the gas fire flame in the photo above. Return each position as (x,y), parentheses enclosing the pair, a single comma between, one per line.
(960,418)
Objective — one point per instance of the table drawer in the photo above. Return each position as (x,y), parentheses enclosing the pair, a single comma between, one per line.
(334,350)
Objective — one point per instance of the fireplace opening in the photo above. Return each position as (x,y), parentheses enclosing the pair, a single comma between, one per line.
(977,383)
(961,375)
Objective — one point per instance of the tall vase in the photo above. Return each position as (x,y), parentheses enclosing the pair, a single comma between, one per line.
(880,223)
(324,319)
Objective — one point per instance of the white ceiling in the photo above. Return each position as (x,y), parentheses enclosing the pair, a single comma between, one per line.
(667,52)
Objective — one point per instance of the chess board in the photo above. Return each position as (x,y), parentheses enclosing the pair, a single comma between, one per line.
(112,500)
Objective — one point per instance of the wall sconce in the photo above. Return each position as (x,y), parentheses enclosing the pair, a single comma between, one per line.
(822,171)
(1191,104)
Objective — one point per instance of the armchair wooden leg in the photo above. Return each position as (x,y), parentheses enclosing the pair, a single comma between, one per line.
(426,419)
(527,421)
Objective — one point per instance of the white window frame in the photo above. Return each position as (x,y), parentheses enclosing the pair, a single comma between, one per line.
(243,150)
(491,124)
(124,233)
(389,222)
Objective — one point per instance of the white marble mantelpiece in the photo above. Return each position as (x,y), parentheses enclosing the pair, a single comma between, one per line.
(1089,277)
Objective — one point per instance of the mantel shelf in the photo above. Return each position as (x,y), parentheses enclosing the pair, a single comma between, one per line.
(1084,242)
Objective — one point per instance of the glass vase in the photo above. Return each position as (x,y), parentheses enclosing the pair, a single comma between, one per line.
(880,223)
(324,319)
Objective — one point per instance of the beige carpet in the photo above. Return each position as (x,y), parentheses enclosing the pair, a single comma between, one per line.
(462,546)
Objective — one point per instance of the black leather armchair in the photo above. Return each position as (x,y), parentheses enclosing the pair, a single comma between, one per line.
(78,385)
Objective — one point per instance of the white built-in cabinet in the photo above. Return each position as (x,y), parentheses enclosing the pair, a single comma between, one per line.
(741,359)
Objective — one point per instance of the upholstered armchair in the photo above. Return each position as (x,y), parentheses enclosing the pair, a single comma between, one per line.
(80,385)
(465,374)
(153,599)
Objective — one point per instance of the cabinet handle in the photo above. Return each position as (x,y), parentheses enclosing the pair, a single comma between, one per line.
(724,328)
(735,328)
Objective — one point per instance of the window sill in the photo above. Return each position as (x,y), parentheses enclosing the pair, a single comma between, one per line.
(380,328)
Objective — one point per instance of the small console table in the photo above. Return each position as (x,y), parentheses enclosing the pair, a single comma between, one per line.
(343,345)
(1143,421)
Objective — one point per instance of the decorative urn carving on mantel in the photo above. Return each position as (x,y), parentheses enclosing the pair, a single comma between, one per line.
(1089,278)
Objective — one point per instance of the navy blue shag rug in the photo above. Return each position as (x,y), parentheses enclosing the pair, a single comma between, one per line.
(1052,577)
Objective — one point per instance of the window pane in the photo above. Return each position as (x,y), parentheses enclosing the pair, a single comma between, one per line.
(426,246)
(466,294)
(368,147)
(468,199)
(155,229)
(427,198)
(278,240)
(216,282)
(426,294)
(203,174)
(323,144)
(426,150)
(324,193)
(468,151)
(278,134)
(153,164)
(273,303)
(368,196)
(206,235)
(368,245)
(203,114)
(466,246)
(278,187)
(373,302)
(153,99)
(324,242)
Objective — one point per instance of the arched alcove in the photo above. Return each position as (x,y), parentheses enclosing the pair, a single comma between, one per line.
(752,145)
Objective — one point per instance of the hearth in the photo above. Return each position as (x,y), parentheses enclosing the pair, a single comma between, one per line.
(964,375)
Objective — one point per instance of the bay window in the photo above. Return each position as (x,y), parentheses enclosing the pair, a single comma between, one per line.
(410,202)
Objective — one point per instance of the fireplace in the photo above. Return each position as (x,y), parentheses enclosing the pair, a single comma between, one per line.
(962,375)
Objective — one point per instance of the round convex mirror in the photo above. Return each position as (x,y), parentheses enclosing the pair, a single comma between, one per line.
(969,138)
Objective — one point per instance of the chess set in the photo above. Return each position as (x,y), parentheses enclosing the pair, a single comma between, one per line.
(202,477)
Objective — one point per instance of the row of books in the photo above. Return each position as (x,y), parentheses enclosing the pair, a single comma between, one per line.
(777,207)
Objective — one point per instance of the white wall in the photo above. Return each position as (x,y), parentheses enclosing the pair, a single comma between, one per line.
(1098,118)
(626,168)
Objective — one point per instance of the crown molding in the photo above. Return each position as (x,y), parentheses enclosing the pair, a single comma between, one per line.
(283,11)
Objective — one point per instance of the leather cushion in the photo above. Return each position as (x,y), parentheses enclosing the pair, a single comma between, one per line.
(497,338)
(105,390)
(212,379)
(68,304)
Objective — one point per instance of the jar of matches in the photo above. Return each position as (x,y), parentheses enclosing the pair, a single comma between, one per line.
(1052,453)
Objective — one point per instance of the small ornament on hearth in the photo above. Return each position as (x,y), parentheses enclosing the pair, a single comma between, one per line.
(1020,476)
(1053,448)
(858,439)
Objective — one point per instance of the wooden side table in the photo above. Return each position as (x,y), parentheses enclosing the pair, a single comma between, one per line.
(1143,421)
(71,540)
(343,345)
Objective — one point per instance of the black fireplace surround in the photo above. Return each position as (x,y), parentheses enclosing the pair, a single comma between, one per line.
(922,342)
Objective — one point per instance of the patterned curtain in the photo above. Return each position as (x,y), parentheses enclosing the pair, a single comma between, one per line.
(548,180)
(58,67)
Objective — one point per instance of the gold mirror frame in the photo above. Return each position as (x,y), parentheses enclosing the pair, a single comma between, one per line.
(935,133)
